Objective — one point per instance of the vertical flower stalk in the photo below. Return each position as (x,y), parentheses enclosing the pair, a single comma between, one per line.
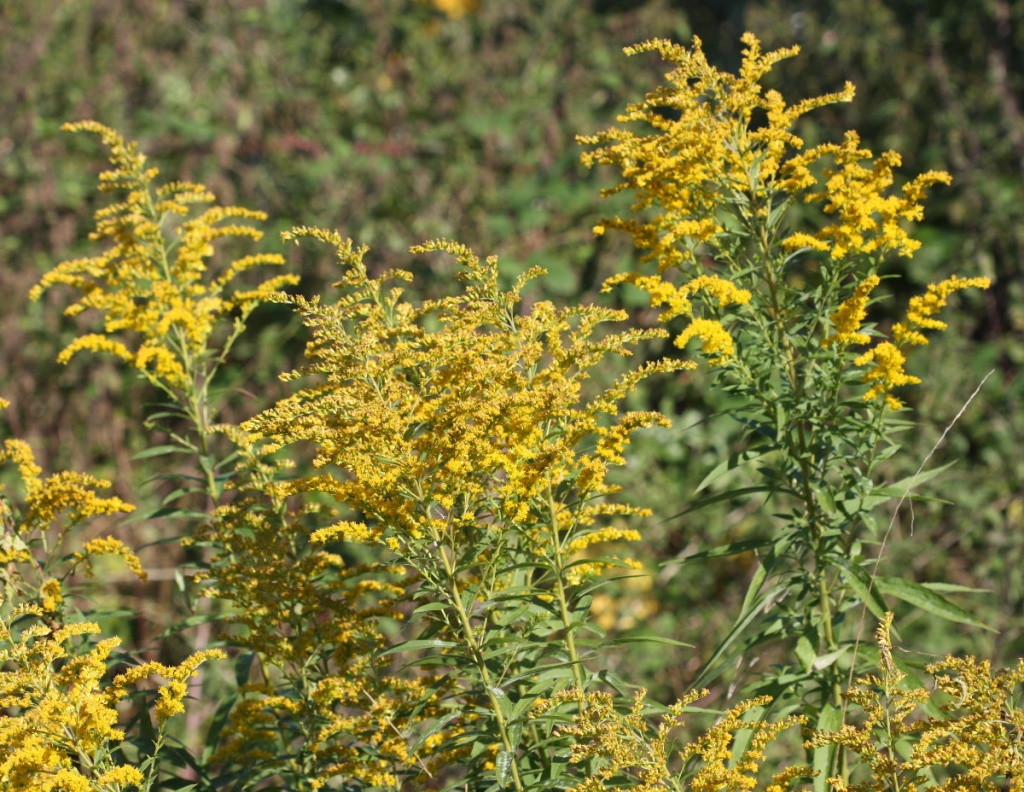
(456,429)
(781,314)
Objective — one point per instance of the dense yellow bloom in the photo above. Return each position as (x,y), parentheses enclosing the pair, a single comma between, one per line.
(110,546)
(153,282)
(868,218)
(30,564)
(703,151)
(850,315)
(923,307)
(456,9)
(717,344)
(60,723)
(458,430)
(887,372)
(975,744)
(627,746)
(715,176)
(888,358)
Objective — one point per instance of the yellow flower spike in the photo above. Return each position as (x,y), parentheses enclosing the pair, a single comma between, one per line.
(110,546)
(850,315)
(689,166)
(923,307)
(868,217)
(52,594)
(717,344)
(887,373)
(152,285)
(887,358)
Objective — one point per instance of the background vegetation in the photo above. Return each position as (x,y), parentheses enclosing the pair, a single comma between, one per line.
(398,121)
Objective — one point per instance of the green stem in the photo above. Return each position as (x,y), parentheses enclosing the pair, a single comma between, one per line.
(563,604)
(481,665)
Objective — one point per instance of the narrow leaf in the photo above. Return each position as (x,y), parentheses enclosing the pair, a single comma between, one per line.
(928,600)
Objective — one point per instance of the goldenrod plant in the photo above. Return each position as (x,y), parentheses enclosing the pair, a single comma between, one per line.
(63,726)
(782,314)
(401,556)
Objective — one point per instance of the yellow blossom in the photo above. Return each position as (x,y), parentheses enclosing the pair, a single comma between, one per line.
(923,307)
(151,284)
(717,344)
(851,314)
(708,149)
(887,372)
(110,546)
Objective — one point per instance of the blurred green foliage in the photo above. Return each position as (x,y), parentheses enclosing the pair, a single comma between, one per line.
(396,123)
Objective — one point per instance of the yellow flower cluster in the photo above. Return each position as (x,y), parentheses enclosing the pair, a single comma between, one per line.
(851,314)
(868,219)
(976,743)
(30,552)
(887,359)
(153,282)
(300,607)
(110,546)
(704,150)
(721,164)
(456,9)
(475,426)
(717,342)
(60,722)
(623,745)
(923,307)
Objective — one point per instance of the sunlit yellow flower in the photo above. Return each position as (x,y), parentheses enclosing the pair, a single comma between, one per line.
(152,286)
(887,372)
(923,307)
(851,314)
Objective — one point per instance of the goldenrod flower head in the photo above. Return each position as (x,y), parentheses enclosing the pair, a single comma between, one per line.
(923,307)
(57,710)
(975,741)
(868,217)
(850,315)
(461,429)
(685,169)
(61,501)
(456,9)
(717,344)
(888,357)
(153,282)
(887,373)
(110,546)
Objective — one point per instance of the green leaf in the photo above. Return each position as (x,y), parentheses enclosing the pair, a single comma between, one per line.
(434,730)
(751,608)
(857,579)
(732,463)
(725,496)
(805,653)
(733,548)
(903,487)
(503,701)
(414,646)
(162,450)
(954,587)
(655,639)
(928,600)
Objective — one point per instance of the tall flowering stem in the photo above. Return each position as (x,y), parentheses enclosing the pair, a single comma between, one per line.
(457,434)
(782,314)
(162,306)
